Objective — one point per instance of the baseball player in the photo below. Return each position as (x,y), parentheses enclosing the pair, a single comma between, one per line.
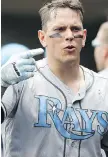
(100,44)
(55,107)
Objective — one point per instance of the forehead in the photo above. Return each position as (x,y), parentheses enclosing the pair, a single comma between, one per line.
(64,16)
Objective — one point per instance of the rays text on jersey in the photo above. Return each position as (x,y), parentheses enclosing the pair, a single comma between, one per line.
(70,125)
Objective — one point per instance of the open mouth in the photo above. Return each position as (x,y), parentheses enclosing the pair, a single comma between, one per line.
(70,48)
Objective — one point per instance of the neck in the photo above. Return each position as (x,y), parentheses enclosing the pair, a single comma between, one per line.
(106,64)
(69,73)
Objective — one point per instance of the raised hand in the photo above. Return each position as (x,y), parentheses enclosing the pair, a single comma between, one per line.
(19,67)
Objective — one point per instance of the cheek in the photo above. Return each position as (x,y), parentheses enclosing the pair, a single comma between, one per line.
(53,46)
(49,44)
(84,38)
(79,45)
(98,55)
(95,53)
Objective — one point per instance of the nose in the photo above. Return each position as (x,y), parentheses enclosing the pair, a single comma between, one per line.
(69,35)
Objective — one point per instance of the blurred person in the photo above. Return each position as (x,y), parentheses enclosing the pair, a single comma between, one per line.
(100,44)
(56,107)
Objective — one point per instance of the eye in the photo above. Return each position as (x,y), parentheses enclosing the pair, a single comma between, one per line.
(76,29)
(60,29)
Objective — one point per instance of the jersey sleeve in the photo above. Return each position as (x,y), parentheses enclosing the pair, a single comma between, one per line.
(9,101)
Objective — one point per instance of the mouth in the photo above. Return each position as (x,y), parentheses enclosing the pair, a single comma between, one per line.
(69,48)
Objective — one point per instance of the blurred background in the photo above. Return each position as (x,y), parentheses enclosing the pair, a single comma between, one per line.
(20,22)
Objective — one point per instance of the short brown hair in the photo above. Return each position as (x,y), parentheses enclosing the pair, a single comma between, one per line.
(47,8)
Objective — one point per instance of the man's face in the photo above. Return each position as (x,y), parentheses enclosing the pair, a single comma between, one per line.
(99,57)
(99,52)
(59,38)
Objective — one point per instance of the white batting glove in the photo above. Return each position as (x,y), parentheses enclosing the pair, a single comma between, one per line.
(19,67)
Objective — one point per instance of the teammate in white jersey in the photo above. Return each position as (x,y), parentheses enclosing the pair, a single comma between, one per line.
(100,44)
(62,109)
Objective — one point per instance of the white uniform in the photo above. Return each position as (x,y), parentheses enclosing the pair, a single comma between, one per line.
(44,118)
(104,72)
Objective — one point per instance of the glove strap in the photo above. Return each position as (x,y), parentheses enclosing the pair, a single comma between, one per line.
(15,68)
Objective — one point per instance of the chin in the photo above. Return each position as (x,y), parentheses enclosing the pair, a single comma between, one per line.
(68,61)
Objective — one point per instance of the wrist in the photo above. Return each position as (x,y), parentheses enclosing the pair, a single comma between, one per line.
(4,84)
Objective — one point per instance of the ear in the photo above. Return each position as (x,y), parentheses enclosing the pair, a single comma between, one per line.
(84,37)
(42,39)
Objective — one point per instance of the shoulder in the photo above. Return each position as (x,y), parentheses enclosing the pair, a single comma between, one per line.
(95,80)
(95,75)
(104,73)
